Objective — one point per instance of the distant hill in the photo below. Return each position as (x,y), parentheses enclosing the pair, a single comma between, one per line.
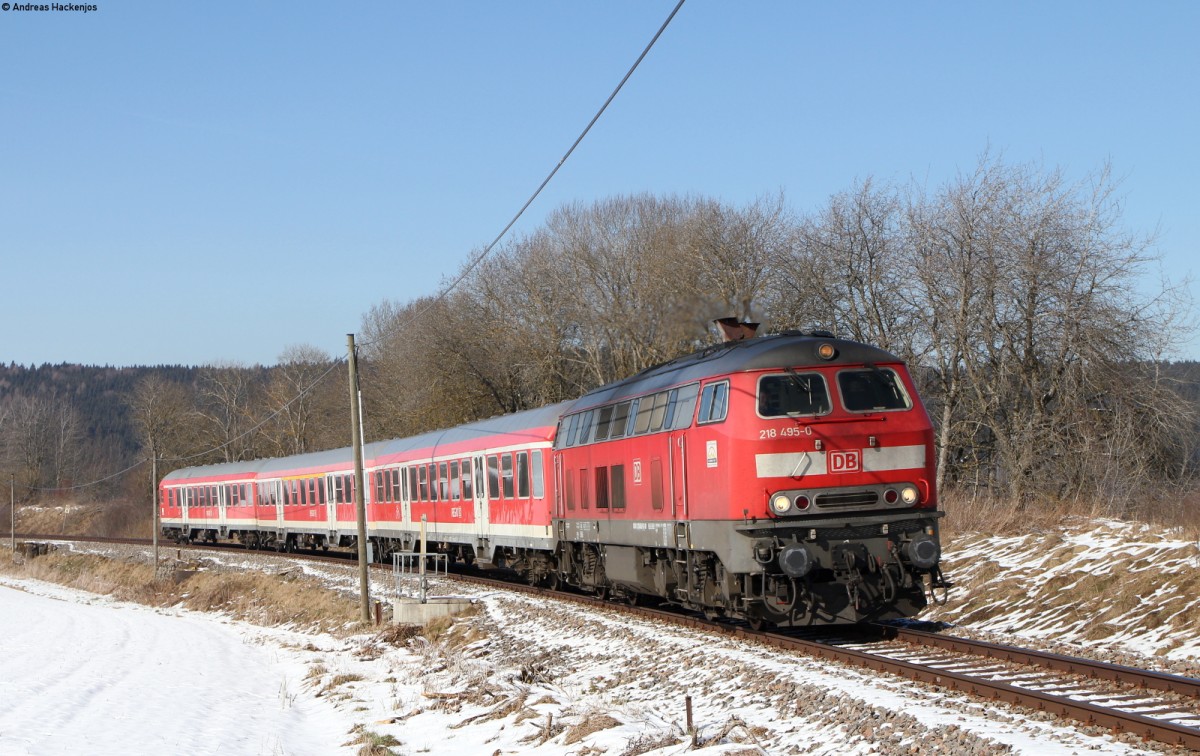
(100,395)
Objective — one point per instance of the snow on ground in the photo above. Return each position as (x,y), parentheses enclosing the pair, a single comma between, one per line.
(84,674)
(520,675)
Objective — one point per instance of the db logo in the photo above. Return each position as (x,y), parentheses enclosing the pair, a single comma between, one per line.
(845,461)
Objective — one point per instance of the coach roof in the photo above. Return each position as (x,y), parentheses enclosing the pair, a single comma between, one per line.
(516,425)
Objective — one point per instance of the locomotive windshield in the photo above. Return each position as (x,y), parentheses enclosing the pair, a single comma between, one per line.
(792,394)
(872,390)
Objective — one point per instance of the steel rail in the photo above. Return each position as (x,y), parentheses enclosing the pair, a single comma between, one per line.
(1098,670)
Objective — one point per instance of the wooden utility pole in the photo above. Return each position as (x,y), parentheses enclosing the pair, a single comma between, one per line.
(12,501)
(154,504)
(359,487)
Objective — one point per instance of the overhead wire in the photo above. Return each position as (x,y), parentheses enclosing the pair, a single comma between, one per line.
(441,296)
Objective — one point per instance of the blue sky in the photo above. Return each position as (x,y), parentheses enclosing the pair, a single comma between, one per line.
(200,182)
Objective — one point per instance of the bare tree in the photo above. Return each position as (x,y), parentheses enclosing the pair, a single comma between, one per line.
(227,411)
(165,420)
(298,395)
(27,442)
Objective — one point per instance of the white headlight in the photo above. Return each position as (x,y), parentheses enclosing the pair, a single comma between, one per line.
(909,495)
(780,503)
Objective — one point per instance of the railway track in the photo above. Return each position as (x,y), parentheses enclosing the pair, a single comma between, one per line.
(1096,693)
(1153,705)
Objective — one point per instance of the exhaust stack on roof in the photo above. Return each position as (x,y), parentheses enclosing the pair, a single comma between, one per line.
(733,329)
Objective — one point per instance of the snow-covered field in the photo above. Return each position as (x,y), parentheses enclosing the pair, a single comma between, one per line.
(84,674)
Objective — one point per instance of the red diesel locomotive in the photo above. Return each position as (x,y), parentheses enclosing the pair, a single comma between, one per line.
(787,479)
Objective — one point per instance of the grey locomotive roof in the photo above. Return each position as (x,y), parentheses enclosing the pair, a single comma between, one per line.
(790,349)
(516,422)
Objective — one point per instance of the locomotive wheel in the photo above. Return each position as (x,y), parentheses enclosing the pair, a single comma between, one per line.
(758,622)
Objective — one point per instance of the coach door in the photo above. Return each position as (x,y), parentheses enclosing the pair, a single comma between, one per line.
(223,509)
(330,503)
(479,490)
(276,495)
(407,492)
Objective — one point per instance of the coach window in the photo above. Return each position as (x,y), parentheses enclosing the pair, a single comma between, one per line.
(506,474)
(397,484)
(455,485)
(872,390)
(493,477)
(714,402)
(570,478)
(522,475)
(539,484)
(619,418)
(413,492)
(443,483)
(377,485)
(467,492)
(583,489)
(601,488)
(617,488)
(422,472)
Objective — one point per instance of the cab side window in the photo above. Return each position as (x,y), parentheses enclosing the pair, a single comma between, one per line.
(714,403)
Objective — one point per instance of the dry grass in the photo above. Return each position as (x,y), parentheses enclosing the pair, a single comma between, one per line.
(372,743)
(592,723)
(119,518)
(254,597)
(966,513)
(338,681)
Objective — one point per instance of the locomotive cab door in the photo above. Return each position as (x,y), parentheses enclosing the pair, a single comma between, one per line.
(678,459)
